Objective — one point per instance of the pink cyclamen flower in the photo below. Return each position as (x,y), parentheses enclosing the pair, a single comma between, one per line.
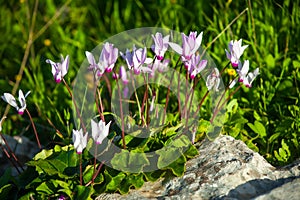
(99,131)
(10,99)
(108,57)
(190,44)
(60,69)
(236,50)
(160,66)
(97,68)
(195,65)
(213,80)
(79,140)
(160,45)
(123,75)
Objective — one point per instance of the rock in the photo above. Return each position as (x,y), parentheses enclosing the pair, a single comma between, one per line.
(23,148)
(225,169)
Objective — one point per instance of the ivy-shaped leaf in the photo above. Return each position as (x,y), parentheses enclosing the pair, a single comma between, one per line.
(129,161)
(131,180)
(113,182)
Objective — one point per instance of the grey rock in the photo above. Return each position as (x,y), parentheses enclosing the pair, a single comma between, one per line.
(23,148)
(225,169)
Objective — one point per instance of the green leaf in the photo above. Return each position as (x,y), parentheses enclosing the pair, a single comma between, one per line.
(131,180)
(44,188)
(129,161)
(191,152)
(43,154)
(258,128)
(153,176)
(232,105)
(82,192)
(113,182)
(4,191)
(178,166)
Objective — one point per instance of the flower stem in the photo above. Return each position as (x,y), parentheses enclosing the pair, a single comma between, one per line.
(11,152)
(218,109)
(200,104)
(168,93)
(80,168)
(9,158)
(136,96)
(122,117)
(75,105)
(99,104)
(34,129)
(95,174)
(144,119)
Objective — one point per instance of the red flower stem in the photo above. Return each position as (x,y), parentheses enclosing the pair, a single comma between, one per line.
(191,91)
(218,109)
(11,152)
(34,129)
(144,101)
(75,105)
(95,175)
(168,93)
(200,104)
(9,158)
(101,106)
(122,117)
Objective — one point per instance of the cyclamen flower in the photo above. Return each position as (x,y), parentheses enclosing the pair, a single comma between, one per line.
(160,66)
(99,131)
(195,65)
(79,140)
(10,99)
(108,57)
(213,80)
(160,45)
(107,60)
(250,78)
(245,77)
(97,68)
(190,44)
(236,50)
(121,75)
(136,59)
(60,69)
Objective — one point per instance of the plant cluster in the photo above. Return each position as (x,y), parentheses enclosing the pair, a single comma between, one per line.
(73,172)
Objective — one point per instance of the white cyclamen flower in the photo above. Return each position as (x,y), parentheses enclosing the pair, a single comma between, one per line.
(213,80)
(10,99)
(99,131)
(79,140)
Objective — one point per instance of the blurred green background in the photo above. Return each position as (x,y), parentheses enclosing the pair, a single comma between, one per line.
(266,117)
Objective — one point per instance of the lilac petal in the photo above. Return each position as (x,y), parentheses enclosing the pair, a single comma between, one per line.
(177,48)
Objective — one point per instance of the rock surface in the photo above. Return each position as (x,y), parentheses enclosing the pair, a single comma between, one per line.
(23,148)
(225,169)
